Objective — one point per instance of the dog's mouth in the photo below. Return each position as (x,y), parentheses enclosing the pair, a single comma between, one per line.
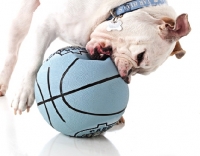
(104,50)
(100,52)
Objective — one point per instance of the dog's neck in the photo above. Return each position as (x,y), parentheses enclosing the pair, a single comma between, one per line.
(134,5)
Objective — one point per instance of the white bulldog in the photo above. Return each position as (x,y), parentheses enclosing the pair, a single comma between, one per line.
(139,36)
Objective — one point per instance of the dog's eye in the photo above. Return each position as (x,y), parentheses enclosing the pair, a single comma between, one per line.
(140,57)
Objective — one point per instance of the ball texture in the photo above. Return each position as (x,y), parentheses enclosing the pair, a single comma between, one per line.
(78,96)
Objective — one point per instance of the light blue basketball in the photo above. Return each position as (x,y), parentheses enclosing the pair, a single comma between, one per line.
(78,96)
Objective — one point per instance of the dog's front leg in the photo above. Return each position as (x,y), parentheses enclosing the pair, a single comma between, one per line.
(17,30)
(39,37)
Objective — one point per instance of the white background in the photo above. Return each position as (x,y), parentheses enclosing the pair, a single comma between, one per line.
(162,117)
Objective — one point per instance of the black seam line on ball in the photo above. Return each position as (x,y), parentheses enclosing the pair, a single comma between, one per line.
(81,88)
(91,84)
(44,103)
(57,96)
(49,88)
(78,89)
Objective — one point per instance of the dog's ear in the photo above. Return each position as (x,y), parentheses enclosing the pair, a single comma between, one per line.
(174,30)
(178,51)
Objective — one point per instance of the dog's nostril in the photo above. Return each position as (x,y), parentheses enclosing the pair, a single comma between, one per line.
(140,58)
(126,79)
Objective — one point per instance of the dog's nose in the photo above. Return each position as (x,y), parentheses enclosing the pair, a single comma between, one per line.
(125,75)
(126,79)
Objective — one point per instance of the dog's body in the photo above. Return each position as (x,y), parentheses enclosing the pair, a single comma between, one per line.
(147,38)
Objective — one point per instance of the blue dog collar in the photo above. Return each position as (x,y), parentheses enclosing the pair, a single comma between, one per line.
(134,5)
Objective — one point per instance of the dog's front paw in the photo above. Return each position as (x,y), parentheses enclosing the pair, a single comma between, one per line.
(23,97)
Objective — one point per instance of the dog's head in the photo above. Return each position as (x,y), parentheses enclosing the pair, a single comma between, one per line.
(142,45)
